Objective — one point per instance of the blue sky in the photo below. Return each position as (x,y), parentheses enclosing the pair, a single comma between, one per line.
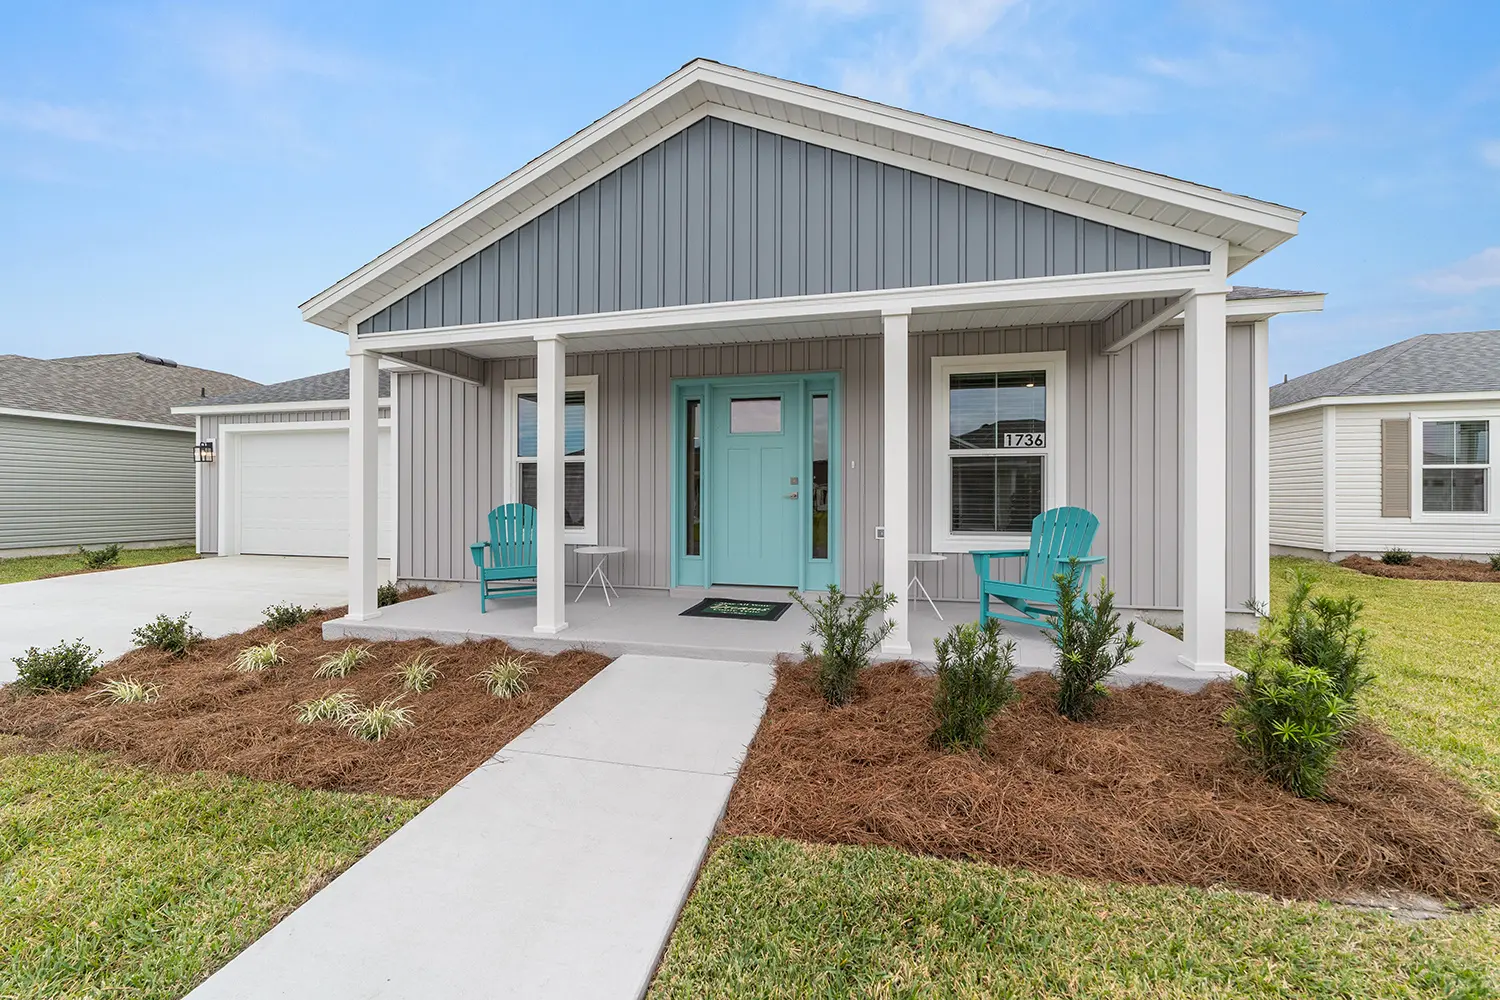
(176,178)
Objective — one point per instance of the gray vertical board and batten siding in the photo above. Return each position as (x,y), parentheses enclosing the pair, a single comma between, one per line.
(66,483)
(1124,453)
(208,473)
(722,212)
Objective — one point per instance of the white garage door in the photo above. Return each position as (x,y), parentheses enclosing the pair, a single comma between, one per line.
(293,493)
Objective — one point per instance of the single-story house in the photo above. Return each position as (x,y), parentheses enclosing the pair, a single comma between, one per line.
(91,454)
(1390,449)
(277,479)
(760,334)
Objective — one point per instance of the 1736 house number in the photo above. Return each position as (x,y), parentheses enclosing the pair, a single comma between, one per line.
(1025,441)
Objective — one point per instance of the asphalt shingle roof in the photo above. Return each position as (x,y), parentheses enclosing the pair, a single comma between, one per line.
(1429,363)
(1252,292)
(109,386)
(313,388)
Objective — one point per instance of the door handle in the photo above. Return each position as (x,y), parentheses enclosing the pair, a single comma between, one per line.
(791,496)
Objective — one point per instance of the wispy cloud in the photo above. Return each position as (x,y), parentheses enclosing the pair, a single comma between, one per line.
(1469,275)
(251,54)
(57,121)
(1489,152)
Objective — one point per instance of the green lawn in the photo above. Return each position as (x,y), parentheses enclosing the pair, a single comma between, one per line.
(119,882)
(772,918)
(22,568)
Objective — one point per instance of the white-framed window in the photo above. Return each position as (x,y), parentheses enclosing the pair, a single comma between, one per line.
(580,453)
(997,447)
(1454,467)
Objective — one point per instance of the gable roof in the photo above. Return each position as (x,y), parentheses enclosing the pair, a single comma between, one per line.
(1429,363)
(326,387)
(1153,204)
(129,386)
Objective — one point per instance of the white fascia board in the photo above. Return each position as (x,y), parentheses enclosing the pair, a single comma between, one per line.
(916,130)
(1412,398)
(1265,308)
(288,406)
(1100,286)
(106,421)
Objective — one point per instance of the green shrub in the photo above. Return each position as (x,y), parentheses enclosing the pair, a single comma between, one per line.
(506,677)
(342,663)
(417,674)
(1396,557)
(254,659)
(99,558)
(1495,562)
(65,667)
(386,594)
(171,635)
(378,721)
(1290,717)
(126,690)
(280,617)
(1090,644)
(1323,632)
(845,638)
(973,683)
(329,708)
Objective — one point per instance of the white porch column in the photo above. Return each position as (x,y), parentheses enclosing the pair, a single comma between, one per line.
(364,485)
(1261,484)
(1204,427)
(896,480)
(551,388)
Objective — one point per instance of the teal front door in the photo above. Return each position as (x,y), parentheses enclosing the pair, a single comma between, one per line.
(756,440)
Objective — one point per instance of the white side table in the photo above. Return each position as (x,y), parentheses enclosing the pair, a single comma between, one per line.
(925,557)
(603,552)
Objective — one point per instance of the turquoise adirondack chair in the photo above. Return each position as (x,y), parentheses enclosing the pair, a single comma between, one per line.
(1056,536)
(507,563)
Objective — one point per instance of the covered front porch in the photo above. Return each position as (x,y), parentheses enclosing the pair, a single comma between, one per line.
(651,622)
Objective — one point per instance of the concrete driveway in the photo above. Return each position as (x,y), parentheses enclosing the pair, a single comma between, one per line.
(223,595)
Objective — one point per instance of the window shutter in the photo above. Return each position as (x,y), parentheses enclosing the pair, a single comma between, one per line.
(1395,467)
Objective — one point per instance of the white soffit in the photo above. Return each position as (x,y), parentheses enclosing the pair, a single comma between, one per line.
(1079,184)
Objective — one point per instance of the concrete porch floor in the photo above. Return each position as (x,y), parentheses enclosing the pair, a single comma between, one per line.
(650,622)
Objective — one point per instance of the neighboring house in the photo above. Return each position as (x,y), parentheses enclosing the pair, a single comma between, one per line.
(763,334)
(90,453)
(278,483)
(1391,449)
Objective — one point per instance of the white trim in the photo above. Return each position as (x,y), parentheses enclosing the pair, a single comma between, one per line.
(224,453)
(1419,513)
(1094,287)
(393,364)
(895,336)
(7,411)
(1264,308)
(1204,488)
(1413,398)
(395,426)
(1159,318)
(589,386)
(364,487)
(198,487)
(1092,185)
(1055,364)
(1330,480)
(1260,485)
(285,406)
(551,393)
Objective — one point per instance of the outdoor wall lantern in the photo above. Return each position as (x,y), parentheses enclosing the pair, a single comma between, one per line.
(204,452)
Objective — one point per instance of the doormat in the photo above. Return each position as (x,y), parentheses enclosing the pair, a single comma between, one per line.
(754,611)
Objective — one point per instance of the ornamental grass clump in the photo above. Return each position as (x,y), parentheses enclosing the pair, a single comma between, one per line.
(280,617)
(973,683)
(126,690)
(844,636)
(1090,644)
(329,708)
(506,677)
(254,659)
(1291,718)
(417,674)
(342,663)
(65,667)
(380,720)
(168,634)
(99,558)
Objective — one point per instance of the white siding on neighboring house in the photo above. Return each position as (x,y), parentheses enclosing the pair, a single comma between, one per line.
(1297,497)
(65,483)
(1360,528)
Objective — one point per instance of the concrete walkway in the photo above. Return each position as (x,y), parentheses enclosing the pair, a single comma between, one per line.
(556,869)
(224,595)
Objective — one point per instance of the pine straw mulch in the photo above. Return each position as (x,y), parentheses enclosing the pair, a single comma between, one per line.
(211,717)
(1154,790)
(1426,568)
